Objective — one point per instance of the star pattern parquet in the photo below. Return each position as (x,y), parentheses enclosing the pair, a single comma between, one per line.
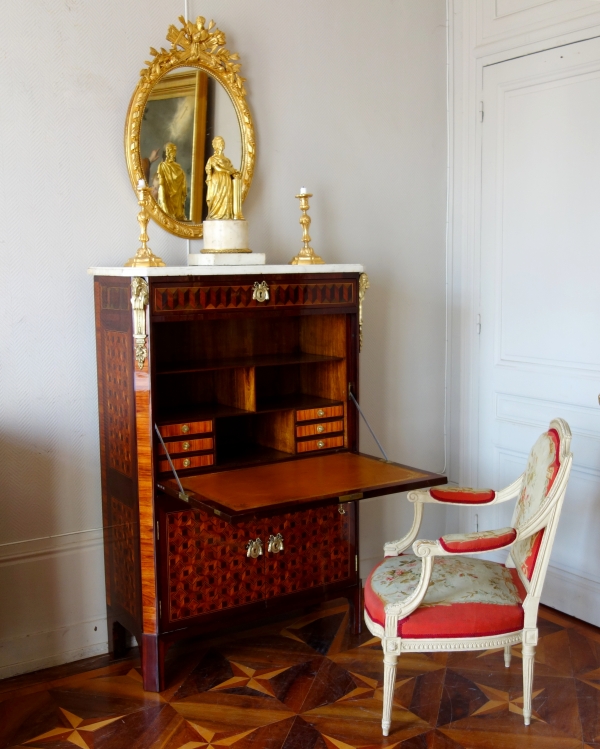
(306,683)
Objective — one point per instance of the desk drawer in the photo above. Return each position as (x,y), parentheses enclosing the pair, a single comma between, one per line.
(323,427)
(323,444)
(194,461)
(312,414)
(187,428)
(187,446)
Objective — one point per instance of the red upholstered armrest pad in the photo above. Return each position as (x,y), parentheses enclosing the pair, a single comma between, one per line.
(463,495)
(485,541)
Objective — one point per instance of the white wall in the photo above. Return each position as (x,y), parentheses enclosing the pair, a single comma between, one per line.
(349,100)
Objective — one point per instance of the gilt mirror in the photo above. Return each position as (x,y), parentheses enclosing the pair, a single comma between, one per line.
(186,96)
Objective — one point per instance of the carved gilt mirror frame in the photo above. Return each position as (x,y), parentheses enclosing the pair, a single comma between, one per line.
(202,47)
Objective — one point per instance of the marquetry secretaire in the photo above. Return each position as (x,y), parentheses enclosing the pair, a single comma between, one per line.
(246,374)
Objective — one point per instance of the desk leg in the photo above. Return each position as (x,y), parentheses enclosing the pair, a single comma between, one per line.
(355,599)
(154,651)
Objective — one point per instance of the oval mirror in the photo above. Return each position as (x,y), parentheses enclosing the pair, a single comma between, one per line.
(185,98)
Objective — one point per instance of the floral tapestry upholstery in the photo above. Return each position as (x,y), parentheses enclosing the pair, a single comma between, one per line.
(466,597)
(541,471)
(476,542)
(463,495)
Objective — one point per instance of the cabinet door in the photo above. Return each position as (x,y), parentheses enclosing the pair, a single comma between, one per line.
(318,549)
(207,565)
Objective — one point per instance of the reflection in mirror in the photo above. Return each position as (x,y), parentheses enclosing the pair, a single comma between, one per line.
(184,111)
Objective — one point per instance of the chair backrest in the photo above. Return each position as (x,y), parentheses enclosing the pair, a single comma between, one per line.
(540,501)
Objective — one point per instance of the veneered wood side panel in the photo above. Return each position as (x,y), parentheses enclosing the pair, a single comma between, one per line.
(117,451)
(144,426)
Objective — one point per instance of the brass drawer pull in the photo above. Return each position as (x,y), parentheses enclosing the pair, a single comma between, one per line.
(254,549)
(186,446)
(185,428)
(320,444)
(320,429)
(320,413)
(275,544)
(187,463)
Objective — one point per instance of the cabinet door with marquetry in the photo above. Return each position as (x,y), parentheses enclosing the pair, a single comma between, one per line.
(318,549)
(207,566)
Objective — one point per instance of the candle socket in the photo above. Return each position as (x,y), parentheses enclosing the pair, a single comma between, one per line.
(144,257)
(306,256)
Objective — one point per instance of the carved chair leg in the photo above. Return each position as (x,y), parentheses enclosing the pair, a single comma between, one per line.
(528,659)
(507,655)
(389,680)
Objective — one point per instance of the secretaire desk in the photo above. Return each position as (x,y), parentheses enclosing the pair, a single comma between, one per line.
(246,372)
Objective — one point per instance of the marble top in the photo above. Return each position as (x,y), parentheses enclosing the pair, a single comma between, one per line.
(226,270)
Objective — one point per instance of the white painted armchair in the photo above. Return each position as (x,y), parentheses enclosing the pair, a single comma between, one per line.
(437,599)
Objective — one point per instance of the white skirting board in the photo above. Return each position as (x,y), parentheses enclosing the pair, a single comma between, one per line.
(564,591)
(53,602)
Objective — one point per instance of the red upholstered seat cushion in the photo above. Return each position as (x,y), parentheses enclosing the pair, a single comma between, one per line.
(463,495)
(466,598)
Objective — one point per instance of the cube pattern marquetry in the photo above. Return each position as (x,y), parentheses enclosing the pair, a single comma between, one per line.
(118,384)
(316,550)
(123,556)
(207,565)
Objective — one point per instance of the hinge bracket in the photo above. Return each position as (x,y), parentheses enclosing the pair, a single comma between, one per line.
(481,111)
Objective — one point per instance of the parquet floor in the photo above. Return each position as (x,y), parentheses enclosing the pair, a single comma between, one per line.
(307,684)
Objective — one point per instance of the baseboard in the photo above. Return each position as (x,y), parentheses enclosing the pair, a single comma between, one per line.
(564,590)
(53,606)
(32,652)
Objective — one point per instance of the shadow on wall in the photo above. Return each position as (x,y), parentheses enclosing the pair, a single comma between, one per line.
(51,611)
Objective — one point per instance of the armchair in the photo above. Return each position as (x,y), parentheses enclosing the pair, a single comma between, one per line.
(437,599)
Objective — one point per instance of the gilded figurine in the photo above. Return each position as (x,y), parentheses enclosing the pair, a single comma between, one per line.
(223,195)
(172,184)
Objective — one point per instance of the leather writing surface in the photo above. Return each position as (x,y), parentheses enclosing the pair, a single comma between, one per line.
(303,481)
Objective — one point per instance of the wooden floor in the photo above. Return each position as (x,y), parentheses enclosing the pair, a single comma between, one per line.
(307,684)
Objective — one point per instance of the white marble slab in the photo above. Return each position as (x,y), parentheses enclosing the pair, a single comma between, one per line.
(227,258)
(224,270)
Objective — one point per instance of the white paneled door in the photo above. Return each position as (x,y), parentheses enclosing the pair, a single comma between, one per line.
(540,292)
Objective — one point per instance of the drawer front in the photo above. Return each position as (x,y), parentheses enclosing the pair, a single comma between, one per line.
(194,461)
(173,299)
(186,428)
(187,446)
(324,444)
(312,414)
(324,427)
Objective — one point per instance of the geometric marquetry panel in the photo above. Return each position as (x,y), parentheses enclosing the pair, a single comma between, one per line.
(316,550)
(184,298)
(207,565)
(118,400)
(123,550)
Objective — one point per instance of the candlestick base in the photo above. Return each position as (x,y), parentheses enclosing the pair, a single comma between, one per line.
(307,258)
(145,260)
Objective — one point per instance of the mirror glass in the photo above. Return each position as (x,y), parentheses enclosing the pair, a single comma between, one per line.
(185,110)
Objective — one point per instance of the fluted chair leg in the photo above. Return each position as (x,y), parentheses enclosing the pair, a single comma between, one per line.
(507,655)
(528,659)
(389,679)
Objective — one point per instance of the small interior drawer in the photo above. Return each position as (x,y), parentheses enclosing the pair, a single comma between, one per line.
(186,428)
(312,414)
(324,427)
(323,444)
(194,461)
(185,446)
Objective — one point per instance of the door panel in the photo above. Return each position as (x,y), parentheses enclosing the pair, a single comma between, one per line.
(540,261)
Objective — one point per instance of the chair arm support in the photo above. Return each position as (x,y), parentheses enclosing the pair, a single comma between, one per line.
(401,609)
(393,548)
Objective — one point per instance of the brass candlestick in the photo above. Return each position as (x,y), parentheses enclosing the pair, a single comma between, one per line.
(144,257)
(306,256)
